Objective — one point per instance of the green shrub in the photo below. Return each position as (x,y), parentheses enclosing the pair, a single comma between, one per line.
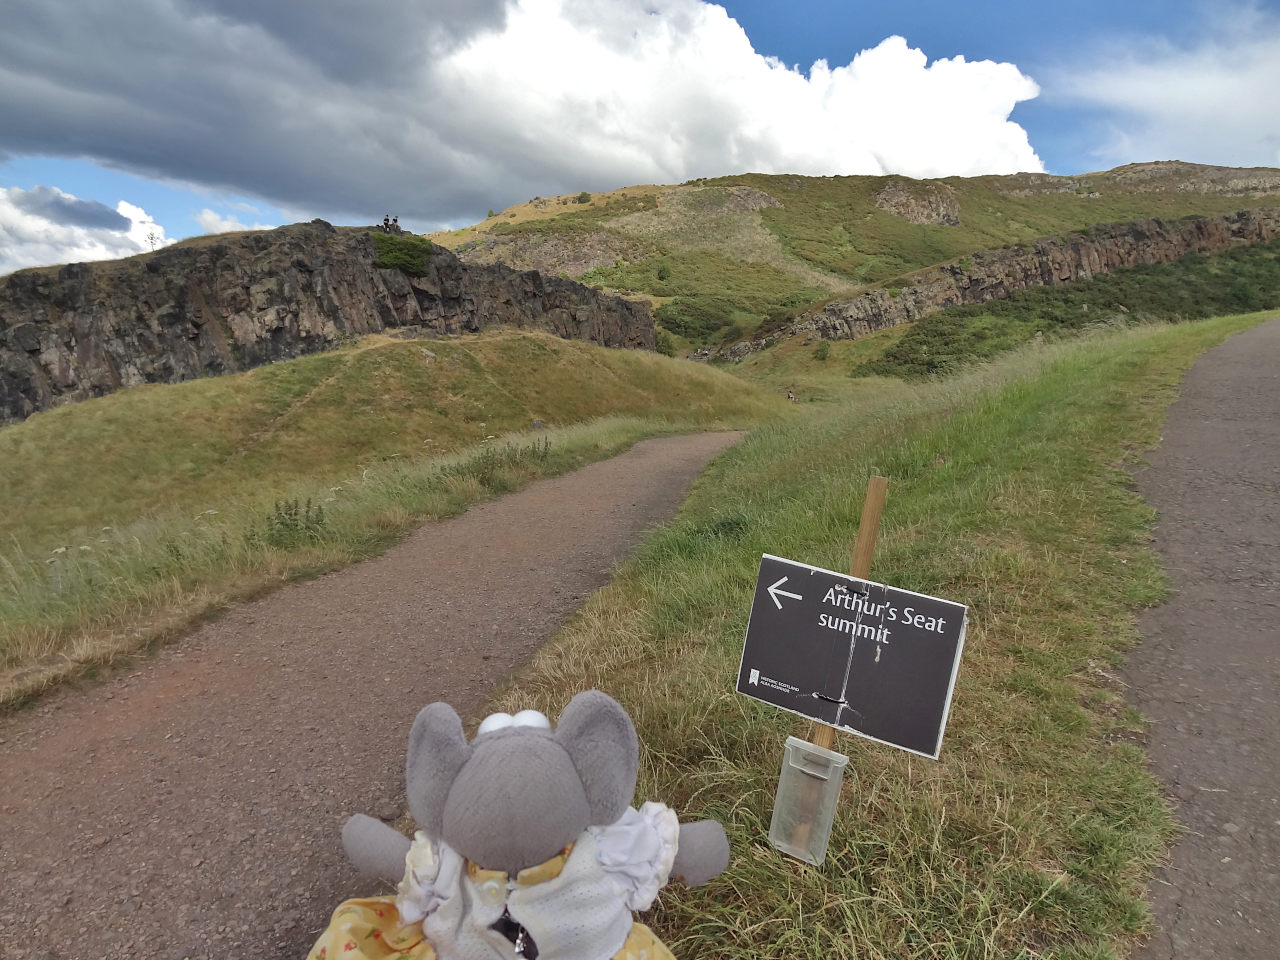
(822,350)
(696,318)
(664,343)
(404,252)
(732,334)
(584,197)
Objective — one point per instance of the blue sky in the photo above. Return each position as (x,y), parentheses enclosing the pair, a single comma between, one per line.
(131,124)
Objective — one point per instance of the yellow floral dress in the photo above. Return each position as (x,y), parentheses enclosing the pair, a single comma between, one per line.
(370,929)
(616,869)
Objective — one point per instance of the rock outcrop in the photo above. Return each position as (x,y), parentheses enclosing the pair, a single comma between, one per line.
(994,274)
(920,201)
(229,303)
(1158,176)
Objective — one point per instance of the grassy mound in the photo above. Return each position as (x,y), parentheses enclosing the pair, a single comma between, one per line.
(198,445)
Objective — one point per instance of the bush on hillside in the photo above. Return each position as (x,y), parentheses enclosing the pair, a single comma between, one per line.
(664,343)
(696,318)
(405,252)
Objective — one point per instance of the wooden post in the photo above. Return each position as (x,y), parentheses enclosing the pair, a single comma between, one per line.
(823,735)
(864,546)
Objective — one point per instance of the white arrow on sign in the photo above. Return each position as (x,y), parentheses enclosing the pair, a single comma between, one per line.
(774,592)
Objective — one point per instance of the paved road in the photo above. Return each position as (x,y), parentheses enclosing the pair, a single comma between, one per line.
(193,808)
(1208,672)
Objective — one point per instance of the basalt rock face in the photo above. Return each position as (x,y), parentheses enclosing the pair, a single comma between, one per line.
(994,274)
(233,303)
(919,201)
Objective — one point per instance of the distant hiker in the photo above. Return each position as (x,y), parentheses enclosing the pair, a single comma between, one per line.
(792,397)
(386,223)
(395,224)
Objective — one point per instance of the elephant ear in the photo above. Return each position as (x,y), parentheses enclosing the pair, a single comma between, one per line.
(437,750)
(598,736)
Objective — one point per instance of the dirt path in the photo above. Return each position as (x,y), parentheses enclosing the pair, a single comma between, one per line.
(1208,673)
(193,808)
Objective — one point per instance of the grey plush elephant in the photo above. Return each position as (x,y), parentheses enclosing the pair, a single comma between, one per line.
(527,844)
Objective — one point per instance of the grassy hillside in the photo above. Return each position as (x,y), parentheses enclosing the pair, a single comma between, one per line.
(1242,279)
(1034,834)
(124,518)
(712,254)
(196,445)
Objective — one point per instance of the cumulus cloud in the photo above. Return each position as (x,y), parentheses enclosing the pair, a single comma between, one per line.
(215,223)
(45,225)
(438,111)
(1212,102)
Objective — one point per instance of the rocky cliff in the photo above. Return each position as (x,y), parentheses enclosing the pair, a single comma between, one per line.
(227,303)
(994,274)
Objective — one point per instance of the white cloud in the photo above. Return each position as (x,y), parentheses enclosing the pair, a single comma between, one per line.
(624,92)
(30,238)
(356,113)
(214,223)
(1214,102)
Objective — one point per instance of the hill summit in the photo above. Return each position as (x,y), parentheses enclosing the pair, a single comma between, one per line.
(719,257)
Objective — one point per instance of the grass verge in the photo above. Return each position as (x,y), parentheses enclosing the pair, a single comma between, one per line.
(132,587)
(1035,832)
(125,520)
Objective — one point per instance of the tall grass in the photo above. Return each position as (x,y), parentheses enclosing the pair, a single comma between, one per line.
(123,588)
(1034,833)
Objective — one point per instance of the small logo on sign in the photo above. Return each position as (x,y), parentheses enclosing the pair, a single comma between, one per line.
(755,677)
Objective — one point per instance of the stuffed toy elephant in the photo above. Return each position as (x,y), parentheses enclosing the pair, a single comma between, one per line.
(527,845)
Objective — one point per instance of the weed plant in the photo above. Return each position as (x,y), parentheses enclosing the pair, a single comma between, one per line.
(290,525)
(1034,834)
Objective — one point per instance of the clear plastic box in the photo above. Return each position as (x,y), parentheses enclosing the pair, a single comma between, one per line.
(805,805)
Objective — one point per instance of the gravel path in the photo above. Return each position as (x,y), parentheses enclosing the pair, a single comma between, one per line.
(1208,673)
(193,808)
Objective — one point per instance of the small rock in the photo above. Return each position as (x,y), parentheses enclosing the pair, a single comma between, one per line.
(389,812)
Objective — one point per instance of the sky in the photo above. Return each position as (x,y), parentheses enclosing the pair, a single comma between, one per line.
(126,125)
